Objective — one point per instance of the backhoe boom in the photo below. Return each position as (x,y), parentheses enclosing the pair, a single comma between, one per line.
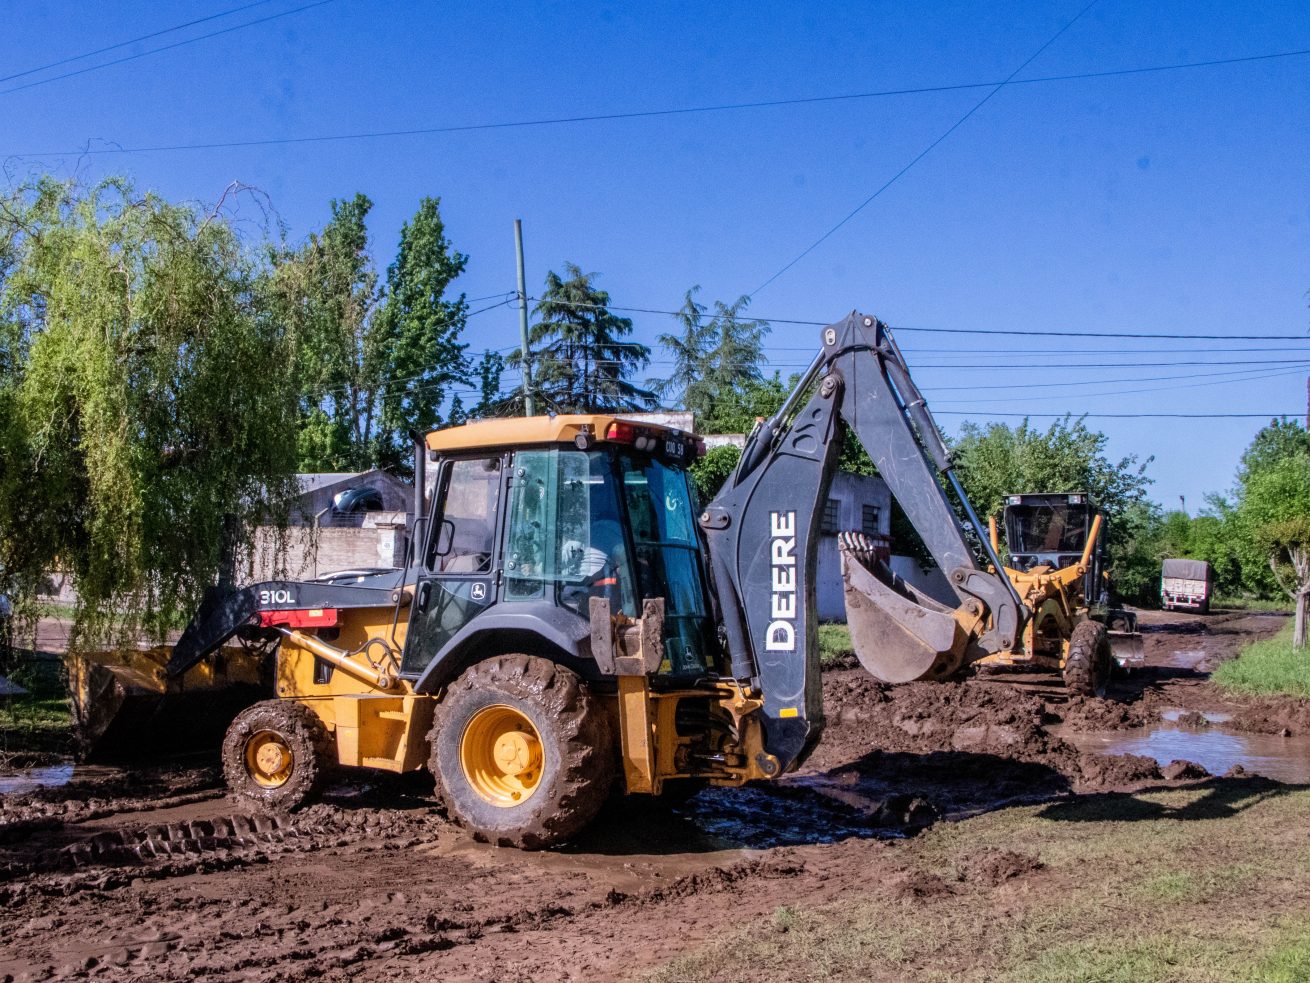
(762,533)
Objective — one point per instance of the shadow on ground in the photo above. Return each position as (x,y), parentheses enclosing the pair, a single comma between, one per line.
(1221,798)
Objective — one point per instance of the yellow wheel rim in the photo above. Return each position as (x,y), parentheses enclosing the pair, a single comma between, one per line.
(500,754)
(269,760)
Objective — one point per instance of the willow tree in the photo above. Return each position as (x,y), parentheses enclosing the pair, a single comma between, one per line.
(145,418)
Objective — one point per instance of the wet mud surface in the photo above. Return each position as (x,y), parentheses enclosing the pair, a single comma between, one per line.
(155,875)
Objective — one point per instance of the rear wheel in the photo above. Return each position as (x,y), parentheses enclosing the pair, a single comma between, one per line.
(1087,666)
(275,754)
(520,752)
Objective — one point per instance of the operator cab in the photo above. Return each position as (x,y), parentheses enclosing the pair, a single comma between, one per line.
(1050,530)
(529,519)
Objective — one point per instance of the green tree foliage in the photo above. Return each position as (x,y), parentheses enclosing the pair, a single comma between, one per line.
(580,361)
(1272,511)
(715,357)
(418,329)
(372,361)
(712,470)
(999,460)
(140,415)
(737,410)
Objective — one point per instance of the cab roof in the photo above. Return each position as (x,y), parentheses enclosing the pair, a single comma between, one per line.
(522,431)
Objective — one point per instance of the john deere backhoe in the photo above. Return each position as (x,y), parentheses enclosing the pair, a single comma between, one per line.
(571,621)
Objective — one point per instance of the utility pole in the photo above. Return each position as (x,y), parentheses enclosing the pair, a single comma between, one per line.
(526,362)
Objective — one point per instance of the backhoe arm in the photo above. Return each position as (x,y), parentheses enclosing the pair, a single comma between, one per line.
(762,533)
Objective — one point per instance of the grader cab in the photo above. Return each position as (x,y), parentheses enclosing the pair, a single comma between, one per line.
(1056,545)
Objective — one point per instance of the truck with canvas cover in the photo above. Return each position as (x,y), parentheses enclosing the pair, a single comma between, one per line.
(571,621)
(1185,585)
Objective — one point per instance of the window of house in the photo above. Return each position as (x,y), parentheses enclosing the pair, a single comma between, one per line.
(869,515)
(830,518)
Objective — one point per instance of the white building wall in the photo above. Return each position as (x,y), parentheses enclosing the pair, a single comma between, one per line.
(851,492)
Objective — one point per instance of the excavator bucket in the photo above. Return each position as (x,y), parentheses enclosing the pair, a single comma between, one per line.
(899,634)
(126,705)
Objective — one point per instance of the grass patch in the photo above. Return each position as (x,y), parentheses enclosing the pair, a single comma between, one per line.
(1268,666)
(834,643)
(1280,606)
(1179,885)
(39,722)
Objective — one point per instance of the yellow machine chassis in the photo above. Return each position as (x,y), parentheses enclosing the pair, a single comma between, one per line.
(1050,595)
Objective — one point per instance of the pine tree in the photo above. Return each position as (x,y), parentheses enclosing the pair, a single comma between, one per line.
(580,360)
(715,358)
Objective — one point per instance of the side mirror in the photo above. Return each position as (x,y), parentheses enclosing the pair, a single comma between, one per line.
(445,538)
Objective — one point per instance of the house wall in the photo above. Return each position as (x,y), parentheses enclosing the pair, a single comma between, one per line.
(380,541)
(851,492)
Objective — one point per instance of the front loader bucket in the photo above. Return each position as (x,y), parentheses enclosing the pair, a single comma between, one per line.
(899,634)
(126,706)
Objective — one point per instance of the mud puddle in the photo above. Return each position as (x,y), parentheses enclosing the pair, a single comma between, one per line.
(1284,759)
(18,781)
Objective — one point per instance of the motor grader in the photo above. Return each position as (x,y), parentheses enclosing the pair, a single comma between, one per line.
(570,621)
(1056,546)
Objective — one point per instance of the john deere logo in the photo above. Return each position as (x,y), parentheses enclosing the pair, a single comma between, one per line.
(478,592)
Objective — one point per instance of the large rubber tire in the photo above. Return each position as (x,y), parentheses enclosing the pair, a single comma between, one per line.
(576,765)
(298,734)
(1087,668)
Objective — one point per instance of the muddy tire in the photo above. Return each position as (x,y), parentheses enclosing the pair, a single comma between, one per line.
(520,752)
(276,755)
(1087,667)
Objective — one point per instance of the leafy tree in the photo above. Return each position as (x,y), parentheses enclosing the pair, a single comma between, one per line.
(372,362)
(712,470)
(327,294)
(737,410)
(417,332)
(714,357)
(1273,509)
(1000,460)
(580,361)
(140,416)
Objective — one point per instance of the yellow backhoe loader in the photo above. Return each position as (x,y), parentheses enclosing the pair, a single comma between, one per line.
(571,621)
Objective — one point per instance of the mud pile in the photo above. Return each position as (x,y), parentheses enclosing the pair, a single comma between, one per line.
(985,743)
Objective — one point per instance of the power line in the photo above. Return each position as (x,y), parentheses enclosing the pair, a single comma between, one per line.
(925,152)
(1027,332)
(124,44)
(166,47)
(1252,376)
(1124,416)
(673,111)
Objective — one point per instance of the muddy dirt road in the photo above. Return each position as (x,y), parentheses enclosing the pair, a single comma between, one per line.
(155,876)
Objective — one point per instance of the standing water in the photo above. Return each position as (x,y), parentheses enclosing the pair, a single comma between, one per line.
(1284,759)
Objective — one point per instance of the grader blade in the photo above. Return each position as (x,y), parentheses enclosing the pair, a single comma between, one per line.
(899,634)
(125,705)
(1126,648)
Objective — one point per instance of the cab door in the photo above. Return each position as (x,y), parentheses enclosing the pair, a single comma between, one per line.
(460,565)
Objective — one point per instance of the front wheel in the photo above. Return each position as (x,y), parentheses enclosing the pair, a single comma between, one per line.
(520,752)
(276,755)
(1087,666)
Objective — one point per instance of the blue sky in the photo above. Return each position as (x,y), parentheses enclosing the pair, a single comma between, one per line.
(1175,202)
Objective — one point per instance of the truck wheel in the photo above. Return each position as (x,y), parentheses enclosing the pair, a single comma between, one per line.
(276,754)
(1087,666)
(520,752)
